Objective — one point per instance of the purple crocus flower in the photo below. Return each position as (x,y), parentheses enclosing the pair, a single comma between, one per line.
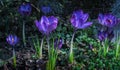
(108,20)
(58,43)
(79,20)
(102,35)
(25,9)
(46,9)
(47,24)
(12,39)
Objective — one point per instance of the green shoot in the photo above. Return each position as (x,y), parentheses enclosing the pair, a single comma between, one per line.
(71,57)
(52,57)
(38,47)
(117,47)
(14,58)
(105,47)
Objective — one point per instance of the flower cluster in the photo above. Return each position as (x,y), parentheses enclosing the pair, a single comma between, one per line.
(109,21)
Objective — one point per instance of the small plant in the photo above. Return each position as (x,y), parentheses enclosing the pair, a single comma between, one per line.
(105,47)
(25,10)
(13,40)
(71,55)
(38,47)
(52,57)
(108,21)
(46,25)
(53,54)
(104,38)
(78,21)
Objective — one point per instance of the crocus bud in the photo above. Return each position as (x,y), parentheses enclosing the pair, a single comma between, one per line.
(58,43)
(106,34)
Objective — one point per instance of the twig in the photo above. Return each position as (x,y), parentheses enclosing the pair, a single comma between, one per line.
(35,8)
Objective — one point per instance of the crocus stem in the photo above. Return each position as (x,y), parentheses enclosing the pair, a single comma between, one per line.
(48,43)
(41,47)
(71,45)
(71,48)
(23,33)
(104,49)
(14,58)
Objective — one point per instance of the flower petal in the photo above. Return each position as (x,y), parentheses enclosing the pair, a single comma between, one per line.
(85,17)
(101,19)
(85,25)
(72,20)
(53,23)
(44,23)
